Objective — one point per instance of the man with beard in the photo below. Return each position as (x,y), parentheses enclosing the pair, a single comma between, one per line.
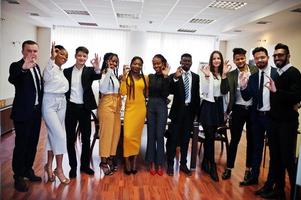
(253,88)
(184,85)
(285,95)
(240,111)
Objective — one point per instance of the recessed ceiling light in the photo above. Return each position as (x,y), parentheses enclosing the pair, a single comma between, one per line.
(230,5)
(12,2)
(87,24)
(263,22)
(127,16)
(76,12)
(201,21)
(186,30)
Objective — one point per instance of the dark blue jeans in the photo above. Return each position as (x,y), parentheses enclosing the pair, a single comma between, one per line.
(156,125)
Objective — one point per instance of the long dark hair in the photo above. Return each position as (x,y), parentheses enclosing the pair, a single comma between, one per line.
(130,83)
(104,66)
(220,67)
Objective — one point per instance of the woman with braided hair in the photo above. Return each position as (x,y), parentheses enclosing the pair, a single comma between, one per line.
(134,86)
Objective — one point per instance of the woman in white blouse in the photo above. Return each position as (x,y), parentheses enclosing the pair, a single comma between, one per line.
(53,111)
(212,111)
(109,113)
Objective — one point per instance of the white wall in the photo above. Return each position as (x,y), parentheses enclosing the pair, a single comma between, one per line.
(44,41)
(13,33)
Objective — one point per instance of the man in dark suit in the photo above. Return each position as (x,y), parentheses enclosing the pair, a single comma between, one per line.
(80,102)
(254,88)
(285,95)
(25,75)
(240,111)
(184,85)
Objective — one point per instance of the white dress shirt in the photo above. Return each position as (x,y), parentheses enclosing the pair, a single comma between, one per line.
(266,92)
(105,83)
(35,83)
(77,91)
(239,99)
(54,79)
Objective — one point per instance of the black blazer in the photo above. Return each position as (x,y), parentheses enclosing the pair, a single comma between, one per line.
(178,104)
(252,89)
(88,76)
(25,91)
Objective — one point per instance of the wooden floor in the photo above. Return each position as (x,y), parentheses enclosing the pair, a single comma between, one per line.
(120,186)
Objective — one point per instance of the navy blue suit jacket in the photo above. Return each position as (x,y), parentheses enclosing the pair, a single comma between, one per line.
(25,91)
(253,87)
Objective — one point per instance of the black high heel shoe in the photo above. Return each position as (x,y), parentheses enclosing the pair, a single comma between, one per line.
(106,169)
(213,172)
(205,166)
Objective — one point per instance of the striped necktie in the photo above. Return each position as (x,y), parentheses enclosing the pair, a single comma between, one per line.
(186,86)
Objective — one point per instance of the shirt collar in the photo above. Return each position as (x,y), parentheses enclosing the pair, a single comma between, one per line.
(283,69)
(265,70)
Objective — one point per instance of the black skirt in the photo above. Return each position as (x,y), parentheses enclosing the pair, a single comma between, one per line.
(212,113)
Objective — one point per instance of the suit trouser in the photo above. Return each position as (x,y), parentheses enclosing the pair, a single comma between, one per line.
(240,116)
(156,125)
(283,149)
(26,141)
(261,125)
(180,136)
(76,113)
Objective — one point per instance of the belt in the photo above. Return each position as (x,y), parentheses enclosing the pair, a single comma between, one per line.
(242,106)
(263,113)
(76,105)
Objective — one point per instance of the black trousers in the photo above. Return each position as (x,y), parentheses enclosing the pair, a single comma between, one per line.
(77,114)
(240,116)
(283,151)
(26,141)
(179,136)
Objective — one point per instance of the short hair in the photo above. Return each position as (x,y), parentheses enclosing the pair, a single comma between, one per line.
(258,49)
(82,49)
(29,42)
(161,57)
(282,46)
(186,55)
(238,51)
(60,47)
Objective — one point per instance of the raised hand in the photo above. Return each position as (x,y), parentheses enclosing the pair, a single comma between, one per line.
(53,51)
(270,84)
(30,61)
(243,80)
(96,62)
(206,70)
(165,70)
(179,72)
(227,67)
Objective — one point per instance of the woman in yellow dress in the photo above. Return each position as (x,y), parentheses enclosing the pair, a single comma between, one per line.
(134,86)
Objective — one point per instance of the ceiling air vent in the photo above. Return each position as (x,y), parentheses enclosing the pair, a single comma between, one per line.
(186,30)
(237,31)
(201,21)
(87,24)
(76,12)
(128,26)
(12,2)
(34,14)
(127,16)
(230,5)
(296,10)
(263,22)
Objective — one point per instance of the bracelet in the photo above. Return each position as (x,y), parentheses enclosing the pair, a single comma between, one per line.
(207,76)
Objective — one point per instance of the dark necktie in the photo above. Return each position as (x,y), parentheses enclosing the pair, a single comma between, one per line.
(37,82)
(186,86)
(260,92)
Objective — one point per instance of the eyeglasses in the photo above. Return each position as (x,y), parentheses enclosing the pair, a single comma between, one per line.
(279,55)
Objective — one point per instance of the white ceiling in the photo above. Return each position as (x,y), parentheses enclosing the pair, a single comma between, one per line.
(158,15)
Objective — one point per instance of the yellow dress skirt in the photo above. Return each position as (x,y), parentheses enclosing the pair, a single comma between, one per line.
(134,117)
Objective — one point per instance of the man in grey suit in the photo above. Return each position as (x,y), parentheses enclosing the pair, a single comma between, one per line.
(240,110)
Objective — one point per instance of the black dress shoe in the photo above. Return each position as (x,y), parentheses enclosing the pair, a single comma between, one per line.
(20,184)
(170,171)
(134,171)
(87,170)
(32,177)
(72,173)
(185,169)
(274,194)
(227,174)
(264,190)
(250,181)
(205,166)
